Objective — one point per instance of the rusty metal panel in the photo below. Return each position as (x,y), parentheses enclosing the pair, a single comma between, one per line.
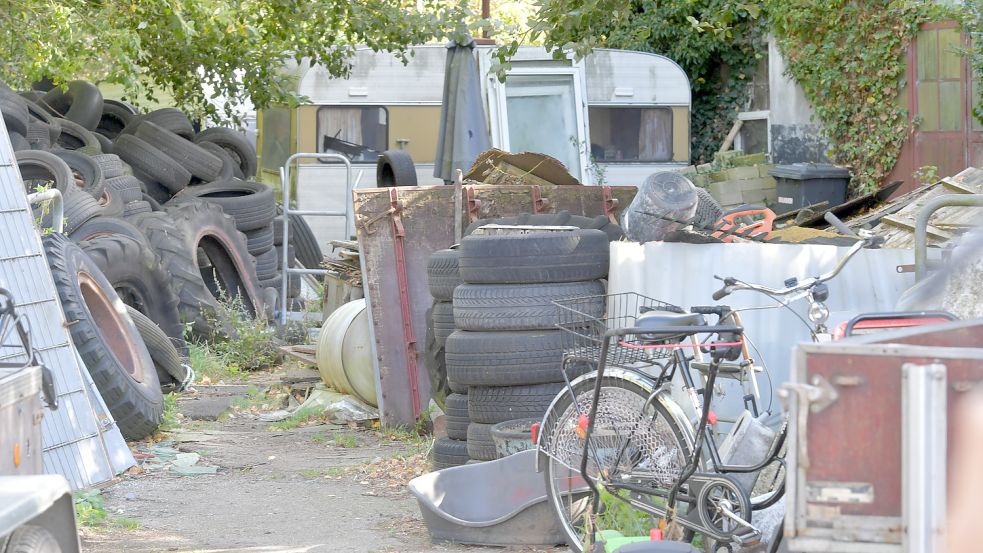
(426,218)
(851,462)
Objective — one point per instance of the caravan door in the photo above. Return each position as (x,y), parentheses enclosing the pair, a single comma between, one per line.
(542,110)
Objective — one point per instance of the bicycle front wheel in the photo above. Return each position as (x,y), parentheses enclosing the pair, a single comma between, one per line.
(634,441)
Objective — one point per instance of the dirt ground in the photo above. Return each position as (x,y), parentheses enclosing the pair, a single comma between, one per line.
(276,491)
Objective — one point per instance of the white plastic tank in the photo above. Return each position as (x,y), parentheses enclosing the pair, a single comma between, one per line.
(344,352)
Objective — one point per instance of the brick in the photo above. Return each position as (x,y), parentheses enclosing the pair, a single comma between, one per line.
(766,183)
(725,157)
(703,181)
(764,168)
(749,160)
(742,173)
(687,171)
(721,187)
(704,168)
(719,176)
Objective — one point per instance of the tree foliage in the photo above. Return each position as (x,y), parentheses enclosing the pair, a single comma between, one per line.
(717,42)
(848,56)
(192,48)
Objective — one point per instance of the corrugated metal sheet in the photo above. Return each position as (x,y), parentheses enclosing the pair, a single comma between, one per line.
(682,274)
(80,439)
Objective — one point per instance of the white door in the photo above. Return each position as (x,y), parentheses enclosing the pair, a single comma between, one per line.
(543,111)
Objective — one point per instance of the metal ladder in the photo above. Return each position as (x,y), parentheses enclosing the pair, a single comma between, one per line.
(285,176)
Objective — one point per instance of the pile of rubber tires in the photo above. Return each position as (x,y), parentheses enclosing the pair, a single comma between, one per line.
(498,338)
(158,217)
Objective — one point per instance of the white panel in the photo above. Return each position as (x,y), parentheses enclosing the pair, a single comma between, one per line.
(651,79)
(682,274)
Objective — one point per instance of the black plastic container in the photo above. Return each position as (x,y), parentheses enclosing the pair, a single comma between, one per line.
(805,184)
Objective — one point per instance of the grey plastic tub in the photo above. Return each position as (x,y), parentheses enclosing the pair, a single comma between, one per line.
(500,502)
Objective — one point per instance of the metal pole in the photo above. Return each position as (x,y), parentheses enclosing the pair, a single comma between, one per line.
(485,14)
(285,178)
(57,206)
(926,212)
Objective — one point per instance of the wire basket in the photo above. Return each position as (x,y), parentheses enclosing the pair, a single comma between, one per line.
(585,320)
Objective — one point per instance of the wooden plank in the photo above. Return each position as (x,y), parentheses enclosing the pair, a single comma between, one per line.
(908,224)
(305,353)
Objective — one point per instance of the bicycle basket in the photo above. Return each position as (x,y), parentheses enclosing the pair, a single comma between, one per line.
(584,331)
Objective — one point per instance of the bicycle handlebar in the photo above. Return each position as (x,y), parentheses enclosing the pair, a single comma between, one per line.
(732,285)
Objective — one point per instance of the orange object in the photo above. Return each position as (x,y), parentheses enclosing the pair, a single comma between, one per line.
(711,418)
(730,227)
(535,432)
(581,428)
(16,455)
(655,534)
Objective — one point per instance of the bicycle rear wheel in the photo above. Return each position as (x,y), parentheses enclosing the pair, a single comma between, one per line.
(633,441)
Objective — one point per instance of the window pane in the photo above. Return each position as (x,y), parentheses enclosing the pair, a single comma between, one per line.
(276,138)
(950,106)
(361,133)
(542,117)
(754,136)
(928,105)
(630,134)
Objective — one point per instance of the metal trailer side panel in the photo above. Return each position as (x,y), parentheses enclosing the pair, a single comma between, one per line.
(80,439)
(426,217)
(867,456)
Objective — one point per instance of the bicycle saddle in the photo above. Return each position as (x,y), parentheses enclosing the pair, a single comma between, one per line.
(662,319)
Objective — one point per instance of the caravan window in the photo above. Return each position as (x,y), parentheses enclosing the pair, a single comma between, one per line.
(630,134)
(359,132)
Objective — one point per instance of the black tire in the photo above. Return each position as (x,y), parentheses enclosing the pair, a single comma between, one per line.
(155,191)
(443,321)
(114,119)
(18,143)
(230,168)
(260,240)
(492,405)
(252,204)
(76,137)
(105,226)
(81,103)
(482,307)
(196,304)
(232,274)
(395,168)
(275,282)
(449,453)
(708,211)
(38,134)
(15,114)
(141,281)
(456,406)
(620,412)
(505,358)
(105,144)
(110,164)
(32,539)
(151,164)
(154,204)
(481,446)
(54,125)
(456,415)
(127,187)
(302,238)
(454,386)
(433,361)
(237,146)
(112,204)
(173,120)
(106,339)
(535,257)
(90,173)
(36,167)
(163,350)
(198,161)
(123,105)
(266,265)
(442,274)
(79,209)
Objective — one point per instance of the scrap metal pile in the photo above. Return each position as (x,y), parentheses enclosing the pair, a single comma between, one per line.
(157,216)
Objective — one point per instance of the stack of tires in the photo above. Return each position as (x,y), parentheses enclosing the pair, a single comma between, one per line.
(443,278)
(155,212)
(506,348)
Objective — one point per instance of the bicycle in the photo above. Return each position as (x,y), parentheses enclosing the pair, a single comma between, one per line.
(645,462)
